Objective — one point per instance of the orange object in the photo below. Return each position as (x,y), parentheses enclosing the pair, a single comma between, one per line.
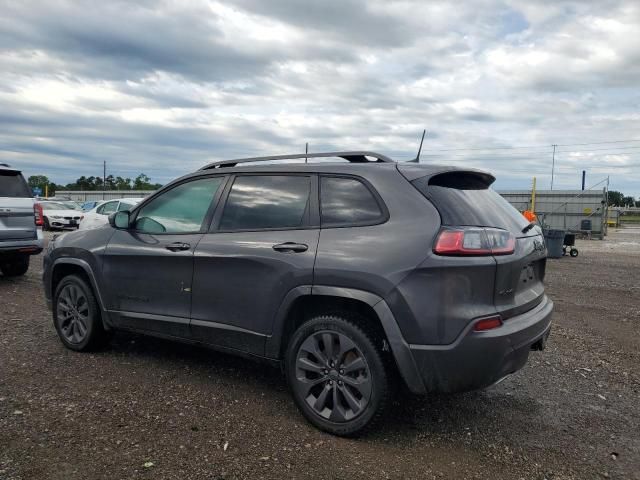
(529,215)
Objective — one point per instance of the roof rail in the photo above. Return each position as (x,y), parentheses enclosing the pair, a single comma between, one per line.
(353,157)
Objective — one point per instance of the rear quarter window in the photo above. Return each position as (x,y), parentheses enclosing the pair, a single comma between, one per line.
(467,199)
(347,201)
(12,184)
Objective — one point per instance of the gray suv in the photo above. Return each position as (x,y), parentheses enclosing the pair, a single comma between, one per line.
(20,236)
(354,276)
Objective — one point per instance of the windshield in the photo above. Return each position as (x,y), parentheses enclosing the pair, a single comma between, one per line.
(55,206)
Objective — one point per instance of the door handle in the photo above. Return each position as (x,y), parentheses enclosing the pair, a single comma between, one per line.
(291,247)
(178,246)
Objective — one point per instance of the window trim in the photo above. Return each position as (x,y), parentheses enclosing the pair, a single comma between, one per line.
(311,222)
(384,211)
(213,205)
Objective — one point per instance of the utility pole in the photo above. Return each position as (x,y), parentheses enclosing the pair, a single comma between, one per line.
(104,177)
(553,163)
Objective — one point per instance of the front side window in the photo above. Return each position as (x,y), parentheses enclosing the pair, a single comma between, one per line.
(258,202)
(107,208)
(179,210)
(347,201)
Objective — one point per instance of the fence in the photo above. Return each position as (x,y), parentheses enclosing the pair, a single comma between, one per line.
(565,209)
(85,196)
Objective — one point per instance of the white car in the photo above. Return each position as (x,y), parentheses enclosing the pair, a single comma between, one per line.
(99,215)
(58,215)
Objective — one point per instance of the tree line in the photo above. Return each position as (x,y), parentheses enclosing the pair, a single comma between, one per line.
(618,199)
(141,182)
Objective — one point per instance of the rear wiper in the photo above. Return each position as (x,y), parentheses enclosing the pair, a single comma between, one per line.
(528,227)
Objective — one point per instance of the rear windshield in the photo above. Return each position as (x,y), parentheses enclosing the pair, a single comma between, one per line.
(471,203)
(12,184)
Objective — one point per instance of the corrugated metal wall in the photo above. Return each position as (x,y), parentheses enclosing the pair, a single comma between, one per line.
(564,209)
(83,196)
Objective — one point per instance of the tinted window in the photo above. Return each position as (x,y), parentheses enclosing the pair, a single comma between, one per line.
(479,206)
(179,210)
(12,184)
(267,201)
(108,208)
(346,201)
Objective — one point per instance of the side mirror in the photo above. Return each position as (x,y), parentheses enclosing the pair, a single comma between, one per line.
(119,220)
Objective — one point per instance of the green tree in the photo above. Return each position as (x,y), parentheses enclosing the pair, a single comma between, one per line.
(615,198)
(38,181)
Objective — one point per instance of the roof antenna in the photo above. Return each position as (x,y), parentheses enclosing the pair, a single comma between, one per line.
(417,159)
(306,152)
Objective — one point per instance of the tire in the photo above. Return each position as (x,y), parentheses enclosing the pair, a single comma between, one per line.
(342,401)
(76,316)
(15,267)
(45,224)
(573,252)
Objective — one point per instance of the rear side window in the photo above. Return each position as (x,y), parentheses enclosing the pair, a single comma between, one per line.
(466,199)
(347,201)
(12,184)
(259,202)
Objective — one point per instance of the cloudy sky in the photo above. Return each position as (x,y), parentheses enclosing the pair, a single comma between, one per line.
(164,87)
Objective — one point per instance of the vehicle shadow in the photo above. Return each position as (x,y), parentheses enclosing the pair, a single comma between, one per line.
(495,410)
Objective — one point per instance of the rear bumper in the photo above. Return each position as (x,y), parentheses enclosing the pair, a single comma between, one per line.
(479,359)
(32,246)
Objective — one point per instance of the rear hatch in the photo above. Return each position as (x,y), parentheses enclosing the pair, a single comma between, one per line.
(465,199)
(17,221)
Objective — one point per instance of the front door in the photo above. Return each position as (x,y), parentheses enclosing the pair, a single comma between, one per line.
(262,245)
(148,268)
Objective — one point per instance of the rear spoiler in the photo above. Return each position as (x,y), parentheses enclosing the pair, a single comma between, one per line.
(452,177)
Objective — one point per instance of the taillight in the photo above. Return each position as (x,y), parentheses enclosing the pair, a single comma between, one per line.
(38,215)
(473,241)
(487,324)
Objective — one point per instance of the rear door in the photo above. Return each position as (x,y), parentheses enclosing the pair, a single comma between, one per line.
(465,199)
(262,245)
(17,221)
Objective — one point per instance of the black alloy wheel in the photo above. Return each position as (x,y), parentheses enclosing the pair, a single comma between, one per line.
(76,315)
(337,375)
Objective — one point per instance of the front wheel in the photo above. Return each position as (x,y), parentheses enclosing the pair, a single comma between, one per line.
(76,315)
(337,375)
(573,252)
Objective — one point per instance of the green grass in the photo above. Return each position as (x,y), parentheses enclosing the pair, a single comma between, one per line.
(630,219)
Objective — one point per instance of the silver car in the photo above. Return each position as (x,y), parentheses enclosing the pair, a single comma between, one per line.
(20,236)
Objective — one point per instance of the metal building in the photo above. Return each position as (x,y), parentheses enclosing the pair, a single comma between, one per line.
(570,210)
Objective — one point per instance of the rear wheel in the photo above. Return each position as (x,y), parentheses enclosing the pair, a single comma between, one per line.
(337,375)
(573,252)
(15,266)
(76,315)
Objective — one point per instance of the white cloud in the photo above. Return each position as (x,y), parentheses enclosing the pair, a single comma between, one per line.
(163,87)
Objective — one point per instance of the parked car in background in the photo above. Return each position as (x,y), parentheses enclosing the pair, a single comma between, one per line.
(20,236)
(86,206)
(352,275)
(58,215)
(99,215)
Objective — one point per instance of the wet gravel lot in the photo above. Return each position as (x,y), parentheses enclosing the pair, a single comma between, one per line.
(150,409)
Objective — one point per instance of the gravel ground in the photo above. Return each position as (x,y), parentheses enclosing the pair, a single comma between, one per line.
(145,408)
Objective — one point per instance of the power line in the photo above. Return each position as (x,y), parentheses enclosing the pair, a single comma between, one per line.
(534,146)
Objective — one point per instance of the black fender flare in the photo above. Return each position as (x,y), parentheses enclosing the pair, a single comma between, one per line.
(397,344)
(90,275)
